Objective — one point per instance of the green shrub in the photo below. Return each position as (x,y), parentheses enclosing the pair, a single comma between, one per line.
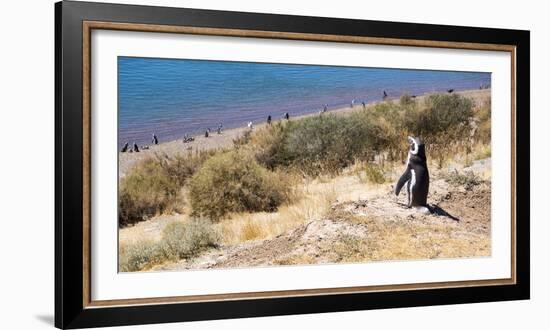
(154,185)
(188,239)
(446,114)
(146,191)
(139,256)
(234,182)
(468,179)
(382,126)
(180,240)
(321,144)
(444,123)
(180,168)
(269,146)
(314,145)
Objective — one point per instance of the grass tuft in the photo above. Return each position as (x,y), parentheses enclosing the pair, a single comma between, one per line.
(468,179)
(179,240)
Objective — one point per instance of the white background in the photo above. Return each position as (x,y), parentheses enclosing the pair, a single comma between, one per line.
(27,167)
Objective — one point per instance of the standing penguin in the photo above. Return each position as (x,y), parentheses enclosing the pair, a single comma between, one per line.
(154,140)
(416,177)
(125,147)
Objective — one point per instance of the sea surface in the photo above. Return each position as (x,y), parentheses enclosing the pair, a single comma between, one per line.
(173,97)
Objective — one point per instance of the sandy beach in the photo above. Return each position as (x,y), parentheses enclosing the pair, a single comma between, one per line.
(225,139)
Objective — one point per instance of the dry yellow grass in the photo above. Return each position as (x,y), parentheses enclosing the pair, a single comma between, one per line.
(302,259)
(240,227)
(462,159)
(393,238)
(398,240)
(313,201)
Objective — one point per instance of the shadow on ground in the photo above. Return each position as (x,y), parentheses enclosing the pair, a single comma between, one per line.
(46,318)
(435,209)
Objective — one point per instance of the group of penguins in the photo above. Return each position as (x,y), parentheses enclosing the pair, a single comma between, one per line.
(286,115)
(136,148)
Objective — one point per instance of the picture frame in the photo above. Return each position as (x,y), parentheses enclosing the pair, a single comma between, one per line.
(74,24)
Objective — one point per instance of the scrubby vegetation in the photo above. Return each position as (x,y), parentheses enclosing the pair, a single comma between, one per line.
(315,145)
(467,179)
(179,240)
(329,143)
(268,170)
(146,191)
(154,186)
(248,177)
(234,182)
(139,256)
(188,239)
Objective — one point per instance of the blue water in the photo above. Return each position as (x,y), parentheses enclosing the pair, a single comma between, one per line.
(174,97)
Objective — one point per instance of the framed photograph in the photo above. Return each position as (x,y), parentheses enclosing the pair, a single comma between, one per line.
(214,164)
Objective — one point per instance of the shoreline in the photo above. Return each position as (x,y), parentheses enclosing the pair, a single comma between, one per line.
(127,160)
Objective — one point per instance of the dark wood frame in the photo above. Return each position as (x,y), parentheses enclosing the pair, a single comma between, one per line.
(74,22)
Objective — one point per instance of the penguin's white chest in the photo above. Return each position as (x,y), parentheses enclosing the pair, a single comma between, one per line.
(411,185)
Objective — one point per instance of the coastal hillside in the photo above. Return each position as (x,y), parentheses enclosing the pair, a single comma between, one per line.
(225,140)
(378,228)
(314,189)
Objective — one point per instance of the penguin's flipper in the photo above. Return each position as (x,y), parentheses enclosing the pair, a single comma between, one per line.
(402,180)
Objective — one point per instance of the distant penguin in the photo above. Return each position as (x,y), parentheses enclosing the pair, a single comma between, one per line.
(450,90)
(206,133)
(325,107)
(125,147)
(287,116)
(154,140)
(352,103)
(416,177)
(384,95)
(135,147)
(220,126)
(250,126)
(269,119)
(364,105)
